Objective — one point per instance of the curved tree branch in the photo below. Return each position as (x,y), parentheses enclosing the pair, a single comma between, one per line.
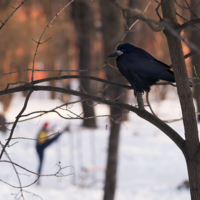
(138,14)
(84,77)
(183,87)
(187,24)
(15,123)
(39,41)
(3,23)
(20,185)
(178,140)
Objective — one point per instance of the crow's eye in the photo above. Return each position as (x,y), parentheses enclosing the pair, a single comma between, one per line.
(123,50)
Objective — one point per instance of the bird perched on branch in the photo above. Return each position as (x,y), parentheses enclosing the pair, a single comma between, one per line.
(140,68)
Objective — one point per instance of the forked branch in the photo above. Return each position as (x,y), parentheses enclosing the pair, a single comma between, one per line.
(178,140)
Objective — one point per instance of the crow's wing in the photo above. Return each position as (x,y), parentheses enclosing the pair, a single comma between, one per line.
(142,54)
(138,83)
(143,64)
(146,68)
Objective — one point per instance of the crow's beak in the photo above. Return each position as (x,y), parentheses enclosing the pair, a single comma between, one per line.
(116,53)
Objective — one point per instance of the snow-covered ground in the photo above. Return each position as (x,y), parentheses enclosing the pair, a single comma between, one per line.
(150,165)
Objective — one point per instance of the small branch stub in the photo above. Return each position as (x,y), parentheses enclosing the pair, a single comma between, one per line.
(140,100)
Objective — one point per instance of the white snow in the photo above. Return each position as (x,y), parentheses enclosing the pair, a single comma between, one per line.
(150,165)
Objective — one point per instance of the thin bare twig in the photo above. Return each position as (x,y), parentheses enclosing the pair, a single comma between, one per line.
(84,77)
(15,9)
(46,112)
(54,70)
(187,24)
(188,5)
(57,174)
(179,5)
(158,26)
(91,78)
(147,99)
(157,10)
(39,41)
(17,138)
(20,185)
(140,112)
(15,123)
(33,194)
(137,14)
(128,29)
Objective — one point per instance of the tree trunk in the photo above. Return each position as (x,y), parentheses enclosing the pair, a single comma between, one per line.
(181,77)
(49,54)
(191,148)
(5,99)
(112,160)
(194,178)
(113,31)
(83,19)
(130,37)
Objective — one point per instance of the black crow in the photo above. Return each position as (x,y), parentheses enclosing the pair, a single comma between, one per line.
(140,68)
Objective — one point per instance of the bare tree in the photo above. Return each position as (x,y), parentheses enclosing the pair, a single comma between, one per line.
(84,22)
(190,148)
(110,17)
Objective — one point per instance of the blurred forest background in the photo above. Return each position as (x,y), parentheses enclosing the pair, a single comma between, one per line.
(80,38)
(78,43)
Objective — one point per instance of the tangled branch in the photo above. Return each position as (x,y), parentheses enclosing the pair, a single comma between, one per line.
(3,23)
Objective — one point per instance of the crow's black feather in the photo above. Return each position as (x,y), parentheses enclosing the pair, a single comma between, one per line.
(140,68)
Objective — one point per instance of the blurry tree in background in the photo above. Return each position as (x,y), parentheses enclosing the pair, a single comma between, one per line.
(18,54)
(113,30)
(51,51)
(61,51)
(84,23)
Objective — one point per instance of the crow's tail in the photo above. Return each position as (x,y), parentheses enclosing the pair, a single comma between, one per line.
(167,75)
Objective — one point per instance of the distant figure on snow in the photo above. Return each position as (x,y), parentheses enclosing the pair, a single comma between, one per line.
(43,141)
